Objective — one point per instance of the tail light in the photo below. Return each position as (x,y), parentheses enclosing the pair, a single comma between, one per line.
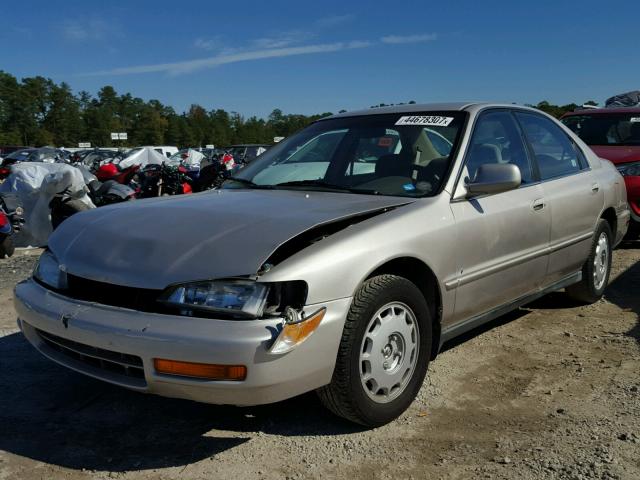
(4,172)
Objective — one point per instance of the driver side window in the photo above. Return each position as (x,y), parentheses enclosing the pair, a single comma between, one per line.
(496,139)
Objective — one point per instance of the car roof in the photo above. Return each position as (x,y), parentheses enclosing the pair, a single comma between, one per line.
(409,108)
(603,111)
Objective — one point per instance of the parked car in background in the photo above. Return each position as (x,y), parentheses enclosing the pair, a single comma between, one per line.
(246,153)
(7,149)
(339,261)
(43,154)
(94,157)
(614,134)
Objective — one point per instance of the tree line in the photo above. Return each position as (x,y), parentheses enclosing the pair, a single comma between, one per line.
(36,111)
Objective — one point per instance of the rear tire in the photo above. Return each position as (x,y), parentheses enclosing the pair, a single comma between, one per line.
(6,247)
(597,268)
(61,210)
(383,355)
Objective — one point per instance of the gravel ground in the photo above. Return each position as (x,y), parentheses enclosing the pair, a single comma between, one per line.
(549,391)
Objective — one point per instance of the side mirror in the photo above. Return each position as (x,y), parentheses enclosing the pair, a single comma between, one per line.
(494,178)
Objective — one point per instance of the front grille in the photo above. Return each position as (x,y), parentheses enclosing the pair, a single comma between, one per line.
(110,294)
(120,364)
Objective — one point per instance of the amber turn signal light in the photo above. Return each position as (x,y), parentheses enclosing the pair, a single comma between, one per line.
(205,371)
(294,334)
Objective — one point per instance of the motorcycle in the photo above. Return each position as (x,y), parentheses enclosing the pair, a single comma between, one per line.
(66,203)
(159,180)
(4,172)
(111,171)
(63,205)
(107,192)
(215,173)
(11,220)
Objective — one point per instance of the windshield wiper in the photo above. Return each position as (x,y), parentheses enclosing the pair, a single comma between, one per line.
(249,183)
(327,185)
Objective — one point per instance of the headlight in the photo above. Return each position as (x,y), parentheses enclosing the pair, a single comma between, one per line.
(50,272)
(629,169)
(244,298)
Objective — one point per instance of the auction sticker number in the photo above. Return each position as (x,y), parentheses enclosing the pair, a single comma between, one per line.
(425,120)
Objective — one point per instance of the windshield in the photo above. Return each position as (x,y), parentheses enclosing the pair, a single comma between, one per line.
(237,152)
(390,154)
(19,155)
(606,129)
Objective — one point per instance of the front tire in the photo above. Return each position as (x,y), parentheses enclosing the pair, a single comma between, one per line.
(384,353)
(597,268)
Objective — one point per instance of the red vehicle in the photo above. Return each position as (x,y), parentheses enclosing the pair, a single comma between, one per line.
(614,134)
(111,171)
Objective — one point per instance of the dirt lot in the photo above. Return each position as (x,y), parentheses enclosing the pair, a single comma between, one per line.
(549,391)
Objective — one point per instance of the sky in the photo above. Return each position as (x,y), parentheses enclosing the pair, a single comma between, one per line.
(324,56)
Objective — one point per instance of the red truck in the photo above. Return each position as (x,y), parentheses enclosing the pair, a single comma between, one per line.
(614,134)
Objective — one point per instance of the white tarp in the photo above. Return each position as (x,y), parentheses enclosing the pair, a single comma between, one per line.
(36,184)
(143,157)
(191,160)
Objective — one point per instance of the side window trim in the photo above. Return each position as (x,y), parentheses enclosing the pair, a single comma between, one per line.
(533,162)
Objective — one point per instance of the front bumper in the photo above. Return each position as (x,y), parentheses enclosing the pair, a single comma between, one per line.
(85,328)
(632,183)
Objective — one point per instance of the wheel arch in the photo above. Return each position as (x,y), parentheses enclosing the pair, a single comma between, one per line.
(421,275)
(609,214)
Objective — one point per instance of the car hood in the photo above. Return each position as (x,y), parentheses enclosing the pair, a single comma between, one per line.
(620,154)
(158,242)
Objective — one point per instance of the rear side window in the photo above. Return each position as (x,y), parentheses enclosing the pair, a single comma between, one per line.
(554,151)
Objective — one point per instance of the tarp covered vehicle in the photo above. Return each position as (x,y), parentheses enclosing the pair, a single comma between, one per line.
(36,185)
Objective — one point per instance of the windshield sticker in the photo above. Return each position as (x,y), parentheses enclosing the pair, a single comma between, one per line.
(634,119)
(385,142)
(433,121)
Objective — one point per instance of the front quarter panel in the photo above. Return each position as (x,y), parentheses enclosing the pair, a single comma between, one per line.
(336,266)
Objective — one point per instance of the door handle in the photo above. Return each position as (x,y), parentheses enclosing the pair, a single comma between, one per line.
(595,187)
(537,205)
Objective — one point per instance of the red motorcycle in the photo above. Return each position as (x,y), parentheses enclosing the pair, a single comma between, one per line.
(110,171)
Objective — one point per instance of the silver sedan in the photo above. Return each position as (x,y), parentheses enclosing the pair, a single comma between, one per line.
(339,261)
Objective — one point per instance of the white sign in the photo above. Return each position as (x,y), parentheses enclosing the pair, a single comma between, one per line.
(122,136)
(428,120)
(634,119)
(277,139)
(114,136)
(84,145)
(210,145)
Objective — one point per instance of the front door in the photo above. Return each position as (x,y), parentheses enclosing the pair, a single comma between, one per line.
(502,239)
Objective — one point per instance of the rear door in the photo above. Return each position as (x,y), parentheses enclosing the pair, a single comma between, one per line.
(502,239)
(574,197)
